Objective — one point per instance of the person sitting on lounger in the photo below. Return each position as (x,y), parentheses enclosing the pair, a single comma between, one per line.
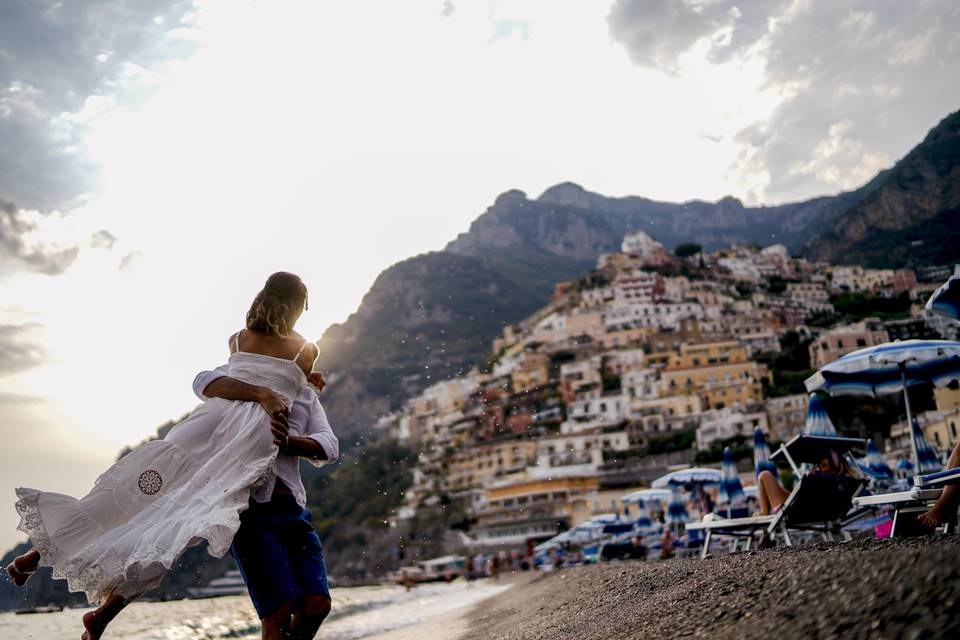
(946,507)
(772,494)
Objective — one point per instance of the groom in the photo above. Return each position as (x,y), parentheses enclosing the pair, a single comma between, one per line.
(276,548)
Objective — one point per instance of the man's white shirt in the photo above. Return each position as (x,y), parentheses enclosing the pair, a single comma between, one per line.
(307,419)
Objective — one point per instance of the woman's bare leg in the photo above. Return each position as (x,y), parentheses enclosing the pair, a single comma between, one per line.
(276,626)
(946,506)
(23,566)
(306,620)
(771,494)
(96,621)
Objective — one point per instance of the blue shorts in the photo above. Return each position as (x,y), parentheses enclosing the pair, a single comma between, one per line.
(279,554)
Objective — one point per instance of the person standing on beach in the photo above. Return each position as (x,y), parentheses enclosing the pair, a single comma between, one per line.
(276,548)
(119,540)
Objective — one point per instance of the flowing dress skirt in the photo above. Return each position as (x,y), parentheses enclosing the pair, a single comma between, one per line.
(154,503)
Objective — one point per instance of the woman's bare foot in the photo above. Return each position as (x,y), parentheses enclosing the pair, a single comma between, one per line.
(23,566)
(94,623)
(932,518)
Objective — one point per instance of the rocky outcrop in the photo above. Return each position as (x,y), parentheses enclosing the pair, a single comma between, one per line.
(923,185)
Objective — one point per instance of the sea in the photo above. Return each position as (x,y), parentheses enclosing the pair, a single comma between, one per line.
(358,612)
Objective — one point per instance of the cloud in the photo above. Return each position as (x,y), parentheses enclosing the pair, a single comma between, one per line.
(22,246)
(103,239)
(859,82)
(56,58)
(17,352)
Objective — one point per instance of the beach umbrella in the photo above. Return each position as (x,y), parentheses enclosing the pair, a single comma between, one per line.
(761,454)
(945,301)
(891,368)
(731,491)
(927,459)
(695,476)
(661,495)
(818,422)
(904,467)
(875,465)
(677,510)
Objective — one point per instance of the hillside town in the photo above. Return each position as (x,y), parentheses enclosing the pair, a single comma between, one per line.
(651,361)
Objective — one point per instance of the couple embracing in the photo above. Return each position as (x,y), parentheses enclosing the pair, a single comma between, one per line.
(228,475)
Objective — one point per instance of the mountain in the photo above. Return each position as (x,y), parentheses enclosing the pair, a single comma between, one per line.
(433,316)
(911,217)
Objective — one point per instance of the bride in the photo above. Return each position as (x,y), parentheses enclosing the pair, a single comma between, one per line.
(119,540)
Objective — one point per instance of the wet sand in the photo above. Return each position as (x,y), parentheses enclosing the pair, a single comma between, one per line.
(860,589)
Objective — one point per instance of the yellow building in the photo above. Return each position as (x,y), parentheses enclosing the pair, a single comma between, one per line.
(717,386)
(533,370)
(532,509)
(943,431)
(474,467)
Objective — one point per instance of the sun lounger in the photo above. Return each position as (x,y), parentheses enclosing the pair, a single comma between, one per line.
(817,503)
(938,479)
(906,506)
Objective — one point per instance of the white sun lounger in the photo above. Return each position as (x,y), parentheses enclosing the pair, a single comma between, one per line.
(817,503)
(938,479)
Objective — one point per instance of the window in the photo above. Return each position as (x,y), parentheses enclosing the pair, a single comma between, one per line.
(861,342)
(953,429)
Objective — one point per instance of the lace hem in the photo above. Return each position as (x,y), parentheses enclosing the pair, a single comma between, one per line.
(100,577)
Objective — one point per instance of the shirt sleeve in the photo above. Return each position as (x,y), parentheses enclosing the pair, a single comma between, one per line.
(206,377)
(318,429)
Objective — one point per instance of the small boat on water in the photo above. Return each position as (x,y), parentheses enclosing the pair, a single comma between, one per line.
(50,608)
(231,584)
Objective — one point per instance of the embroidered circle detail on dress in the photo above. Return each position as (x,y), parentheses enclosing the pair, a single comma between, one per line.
(150,482)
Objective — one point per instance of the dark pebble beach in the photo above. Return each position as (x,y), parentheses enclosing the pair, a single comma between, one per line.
(859,589)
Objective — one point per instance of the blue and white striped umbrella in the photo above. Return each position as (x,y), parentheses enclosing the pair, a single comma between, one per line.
(761,454)
(643,521)
(677,510)
(731,491)
(660,495)
(904,466)
(874,465)
(926,455)
(818,422)
(696,476)
(891,367)
(945,301)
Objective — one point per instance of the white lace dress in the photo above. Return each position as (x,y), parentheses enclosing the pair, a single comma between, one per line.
(165,495)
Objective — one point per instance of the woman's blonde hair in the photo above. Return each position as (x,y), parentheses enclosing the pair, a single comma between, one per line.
(273,309)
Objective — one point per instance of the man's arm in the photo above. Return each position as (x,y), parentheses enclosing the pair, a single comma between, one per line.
(319,445)
(204,378)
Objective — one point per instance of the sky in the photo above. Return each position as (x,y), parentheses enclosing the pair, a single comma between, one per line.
(160,158)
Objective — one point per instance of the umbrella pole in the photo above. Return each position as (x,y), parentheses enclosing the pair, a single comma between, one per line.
(906,401)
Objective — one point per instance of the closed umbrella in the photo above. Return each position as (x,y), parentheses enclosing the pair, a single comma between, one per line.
(928,460)
(761,454)
(891,368)
(643,522)
(874,464)
(677,510)
(945,301)
(818,422)
(731,491)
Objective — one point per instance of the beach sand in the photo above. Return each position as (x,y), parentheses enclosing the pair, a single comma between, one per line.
(859,589)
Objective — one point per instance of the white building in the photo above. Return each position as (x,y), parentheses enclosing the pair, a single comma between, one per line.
(727,423)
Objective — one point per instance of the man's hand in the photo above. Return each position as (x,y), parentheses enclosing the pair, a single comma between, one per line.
(280,430)
(316,379)
(271,402)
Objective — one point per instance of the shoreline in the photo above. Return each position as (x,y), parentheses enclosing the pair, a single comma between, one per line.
(456,623)
(859,589)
